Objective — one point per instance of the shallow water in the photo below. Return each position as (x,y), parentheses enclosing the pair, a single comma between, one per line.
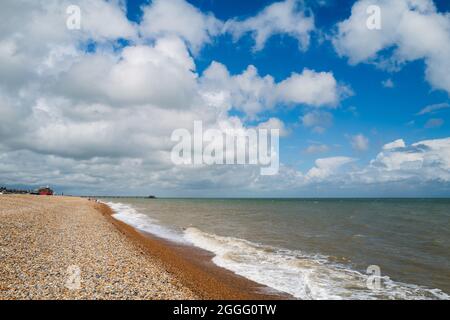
(313,248)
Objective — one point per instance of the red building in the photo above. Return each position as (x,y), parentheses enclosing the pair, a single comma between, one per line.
(45,191)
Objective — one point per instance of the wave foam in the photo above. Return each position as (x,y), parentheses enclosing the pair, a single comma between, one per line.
(303,276)
(143,222)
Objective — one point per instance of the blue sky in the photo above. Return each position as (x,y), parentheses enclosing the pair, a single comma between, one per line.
(382,114)
(94,108)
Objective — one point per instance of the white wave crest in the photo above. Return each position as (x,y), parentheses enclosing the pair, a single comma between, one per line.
(143,222)
(303,276)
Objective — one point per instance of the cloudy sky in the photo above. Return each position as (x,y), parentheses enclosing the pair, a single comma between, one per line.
(91,111)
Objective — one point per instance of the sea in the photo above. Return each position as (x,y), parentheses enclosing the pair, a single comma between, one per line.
(312,248)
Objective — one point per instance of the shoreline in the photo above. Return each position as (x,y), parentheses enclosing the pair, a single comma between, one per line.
(43,238)
(47,243)
(194,267)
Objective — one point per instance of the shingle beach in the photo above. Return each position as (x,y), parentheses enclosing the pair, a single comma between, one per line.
(46,242)
(72,248)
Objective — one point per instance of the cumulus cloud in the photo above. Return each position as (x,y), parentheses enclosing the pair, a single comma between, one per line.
(104,20)
(400,143)
(179,18)
(248,91)
(252,93)
(286,17)
(427,160)
(360,142)
(412,29)
(161,75)
(319,121)
(58,99)
(96,118)
(93,121)
(274,123)
(326,167)
(100,20)
(426,163)
(312,88)
(34,37)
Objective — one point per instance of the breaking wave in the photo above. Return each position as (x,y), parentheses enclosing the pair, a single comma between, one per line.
(302,275)
(143,222)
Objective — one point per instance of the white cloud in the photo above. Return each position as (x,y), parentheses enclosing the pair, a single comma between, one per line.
(34,37)
(103,20)
(94,122)
(394,145)
(433,108)
(414,29)
(425,163)
(319,121)
(252,93)
(427,160)
(58,100)
(360,142)
(286,17)
(100,20)
(388,83)
(274,123)
(317,148)
(248,91)
(327,167)
(312,88)
(161,75)
(179,18)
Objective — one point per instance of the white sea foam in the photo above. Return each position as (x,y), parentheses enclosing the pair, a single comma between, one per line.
(302,275)
(143,222)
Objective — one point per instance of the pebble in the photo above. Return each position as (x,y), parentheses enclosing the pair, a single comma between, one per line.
(45,241)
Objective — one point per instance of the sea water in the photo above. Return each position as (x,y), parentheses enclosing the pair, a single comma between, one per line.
(312,248)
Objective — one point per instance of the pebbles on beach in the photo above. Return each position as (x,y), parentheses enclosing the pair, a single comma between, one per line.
(63,248)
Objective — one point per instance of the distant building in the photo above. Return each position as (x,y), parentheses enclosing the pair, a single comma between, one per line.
(45,191)
(4,190)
